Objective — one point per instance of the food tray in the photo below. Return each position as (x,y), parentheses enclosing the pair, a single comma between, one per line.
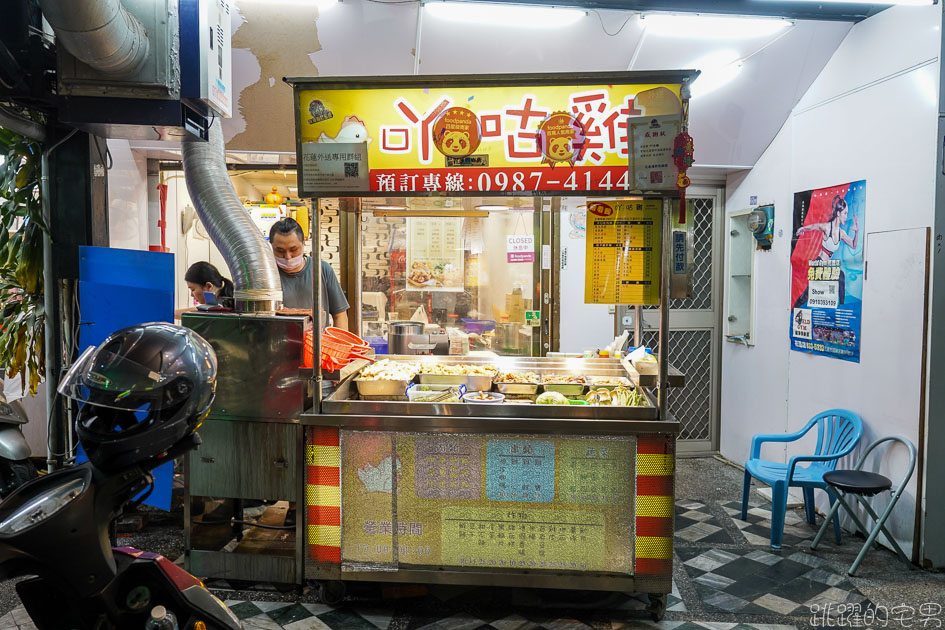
(568,389)
(526,389)
(378,387)
(473,383)
(623,382)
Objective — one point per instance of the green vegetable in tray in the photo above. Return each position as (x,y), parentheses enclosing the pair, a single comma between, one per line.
(552,398)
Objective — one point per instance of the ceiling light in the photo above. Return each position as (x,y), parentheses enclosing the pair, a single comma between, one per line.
(492,208)
(390,207)
(909,2)
(321,4)
(494,14)
(717,68)
(701,26)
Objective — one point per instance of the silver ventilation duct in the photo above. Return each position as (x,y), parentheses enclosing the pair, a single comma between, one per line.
(100,33)
(247,254)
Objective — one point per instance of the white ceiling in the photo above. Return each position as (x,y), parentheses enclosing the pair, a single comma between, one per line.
(731,125)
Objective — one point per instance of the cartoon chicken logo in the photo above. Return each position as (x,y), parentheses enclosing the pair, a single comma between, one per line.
(352,129)
(456,132)
(561,139)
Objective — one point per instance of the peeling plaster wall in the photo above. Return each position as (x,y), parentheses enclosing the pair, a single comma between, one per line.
(268,45)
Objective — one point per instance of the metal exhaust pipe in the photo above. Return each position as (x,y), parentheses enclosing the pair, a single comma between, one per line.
(247,254)
(99,33)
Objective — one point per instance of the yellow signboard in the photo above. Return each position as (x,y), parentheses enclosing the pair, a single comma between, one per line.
(622,264)
(536,502)
(524,539)
(466,140)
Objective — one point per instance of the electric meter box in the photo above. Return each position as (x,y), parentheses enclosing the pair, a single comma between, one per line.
(206,54)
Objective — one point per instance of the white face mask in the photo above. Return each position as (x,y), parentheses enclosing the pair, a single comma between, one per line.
(288,264)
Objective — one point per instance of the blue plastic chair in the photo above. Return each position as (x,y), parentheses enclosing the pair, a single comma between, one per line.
(838,432)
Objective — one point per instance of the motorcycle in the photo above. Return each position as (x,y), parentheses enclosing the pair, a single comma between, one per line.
(15,465)
(56,529)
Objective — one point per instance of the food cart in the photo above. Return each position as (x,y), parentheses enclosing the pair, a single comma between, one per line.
(450,469)
(505,493)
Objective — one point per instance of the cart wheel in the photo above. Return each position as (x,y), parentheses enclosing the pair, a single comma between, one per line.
(331,593)
(657,607)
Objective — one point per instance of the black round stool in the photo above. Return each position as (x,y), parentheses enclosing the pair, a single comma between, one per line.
(859,484)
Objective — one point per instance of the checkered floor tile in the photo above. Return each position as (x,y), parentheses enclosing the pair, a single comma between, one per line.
(272,616)
(757,528)
(695,523)
(756,582)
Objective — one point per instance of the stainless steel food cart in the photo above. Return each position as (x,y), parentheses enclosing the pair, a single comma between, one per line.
(577,497)
(512,494)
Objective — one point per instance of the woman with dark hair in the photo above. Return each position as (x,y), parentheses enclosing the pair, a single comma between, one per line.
(833,234)
(202,277)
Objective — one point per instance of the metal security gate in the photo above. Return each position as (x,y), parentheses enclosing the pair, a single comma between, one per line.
(694,340)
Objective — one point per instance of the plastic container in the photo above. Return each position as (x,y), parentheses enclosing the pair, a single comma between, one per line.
(379,344)
(432,393)
(494,398)
(478,326)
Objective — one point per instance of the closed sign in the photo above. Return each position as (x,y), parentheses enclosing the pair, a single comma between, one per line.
(521,248)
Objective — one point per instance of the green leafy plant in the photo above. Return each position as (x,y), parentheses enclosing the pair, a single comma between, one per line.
(22,310)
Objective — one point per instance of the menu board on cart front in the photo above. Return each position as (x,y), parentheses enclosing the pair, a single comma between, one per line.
(623,252)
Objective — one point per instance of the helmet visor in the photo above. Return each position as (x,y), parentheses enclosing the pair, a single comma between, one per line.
(110,380)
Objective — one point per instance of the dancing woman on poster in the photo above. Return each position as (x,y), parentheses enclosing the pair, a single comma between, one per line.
(833,234)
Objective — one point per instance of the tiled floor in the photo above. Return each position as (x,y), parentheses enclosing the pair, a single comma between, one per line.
(726,577)
(757,528)
(756,582)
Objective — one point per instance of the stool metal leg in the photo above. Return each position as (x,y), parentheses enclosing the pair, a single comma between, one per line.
(879,527)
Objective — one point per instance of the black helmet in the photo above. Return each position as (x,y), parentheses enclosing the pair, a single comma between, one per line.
(144,389)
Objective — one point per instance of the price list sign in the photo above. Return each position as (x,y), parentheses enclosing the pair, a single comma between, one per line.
(524,539)
(623,252)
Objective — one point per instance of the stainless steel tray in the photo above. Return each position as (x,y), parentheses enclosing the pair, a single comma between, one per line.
(472,383)
(383,388)
(624,382)
(568,389)
(527,389)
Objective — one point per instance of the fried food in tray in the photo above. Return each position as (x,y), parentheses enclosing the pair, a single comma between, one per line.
(457,369)
(563,379)
(529,378)
(387,370)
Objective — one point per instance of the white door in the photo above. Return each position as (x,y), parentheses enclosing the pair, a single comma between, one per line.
(695,334)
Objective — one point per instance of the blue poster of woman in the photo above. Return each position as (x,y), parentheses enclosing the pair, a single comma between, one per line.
(827,270)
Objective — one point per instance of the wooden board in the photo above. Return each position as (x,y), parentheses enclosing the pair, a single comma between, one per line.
(260,540)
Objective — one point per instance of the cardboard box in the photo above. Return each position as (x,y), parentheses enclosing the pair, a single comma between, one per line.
(515,306)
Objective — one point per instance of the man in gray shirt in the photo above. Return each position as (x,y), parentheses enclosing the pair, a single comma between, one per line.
(295,271)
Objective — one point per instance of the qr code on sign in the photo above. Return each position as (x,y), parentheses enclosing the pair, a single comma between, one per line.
(351,169)
(656,177)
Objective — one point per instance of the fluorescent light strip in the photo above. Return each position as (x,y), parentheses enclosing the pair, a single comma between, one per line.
(703,26)
(494,14)
(914,3)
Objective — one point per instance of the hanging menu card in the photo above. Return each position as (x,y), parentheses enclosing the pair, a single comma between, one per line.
(623,252)
(435,254)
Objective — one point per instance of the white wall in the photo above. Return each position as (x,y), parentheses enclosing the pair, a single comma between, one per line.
(583,326)
(127,197)
(871,115)
(189,248)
